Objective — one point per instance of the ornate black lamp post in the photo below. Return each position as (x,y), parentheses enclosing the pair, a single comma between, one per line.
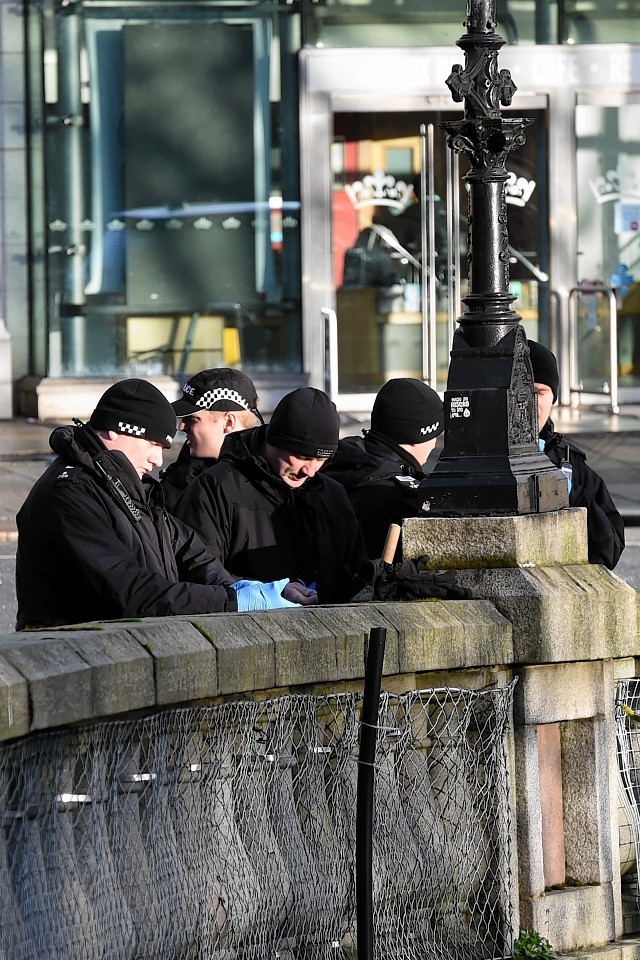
(490,463)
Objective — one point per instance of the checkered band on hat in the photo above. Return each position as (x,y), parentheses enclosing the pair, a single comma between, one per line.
(406,410)
(138,409)
(131,429)
(221,389)
(221,393)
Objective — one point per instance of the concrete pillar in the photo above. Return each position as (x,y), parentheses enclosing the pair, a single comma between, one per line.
(550,778)
(573,623)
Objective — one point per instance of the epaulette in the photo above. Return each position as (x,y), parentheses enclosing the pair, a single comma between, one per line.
(66,472)
(407,481)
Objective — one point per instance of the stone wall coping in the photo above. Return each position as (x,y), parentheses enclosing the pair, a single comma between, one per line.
(523,618)
(549,539)
(53,678)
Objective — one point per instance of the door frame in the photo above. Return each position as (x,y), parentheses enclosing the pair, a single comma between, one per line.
(414,80)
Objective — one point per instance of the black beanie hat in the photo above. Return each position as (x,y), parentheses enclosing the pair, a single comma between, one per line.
(545,367)
(407,411)
(138,409)
(305,423)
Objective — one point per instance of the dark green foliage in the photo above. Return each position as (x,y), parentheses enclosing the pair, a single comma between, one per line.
(532,944)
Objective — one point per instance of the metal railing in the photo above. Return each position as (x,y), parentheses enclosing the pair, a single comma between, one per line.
(609,388)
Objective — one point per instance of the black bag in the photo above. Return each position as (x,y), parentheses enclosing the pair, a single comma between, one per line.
(411,580)
(368,263)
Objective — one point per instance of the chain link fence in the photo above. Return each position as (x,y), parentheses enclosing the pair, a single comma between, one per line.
(227,833)
(627,715)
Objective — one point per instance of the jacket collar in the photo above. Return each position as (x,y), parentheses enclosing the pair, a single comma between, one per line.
(378,443)
(81,446)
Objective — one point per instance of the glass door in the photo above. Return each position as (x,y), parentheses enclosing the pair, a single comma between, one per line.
(399,244)
(396,238)
(608,287)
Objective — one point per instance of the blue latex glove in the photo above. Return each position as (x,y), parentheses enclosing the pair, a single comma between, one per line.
(255,595)
(565,466)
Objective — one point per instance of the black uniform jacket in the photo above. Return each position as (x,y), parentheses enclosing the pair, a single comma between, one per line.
(263,529)
(96,547)
(605,528)
(382,481)
(177,476)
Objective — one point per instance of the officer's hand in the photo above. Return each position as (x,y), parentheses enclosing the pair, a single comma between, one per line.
(296,592)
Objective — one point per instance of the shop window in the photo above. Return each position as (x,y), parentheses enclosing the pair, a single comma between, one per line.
(608,178)
(171,191)
(608,21)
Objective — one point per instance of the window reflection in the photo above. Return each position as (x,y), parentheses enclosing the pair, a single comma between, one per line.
(608,164)
(173,219)
(607,21)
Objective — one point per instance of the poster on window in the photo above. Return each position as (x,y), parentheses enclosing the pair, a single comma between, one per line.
(627,218)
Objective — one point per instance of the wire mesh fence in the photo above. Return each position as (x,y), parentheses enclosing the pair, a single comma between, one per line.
(627,715)
(213,833)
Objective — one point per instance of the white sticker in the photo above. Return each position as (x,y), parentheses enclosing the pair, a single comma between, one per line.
(460,407)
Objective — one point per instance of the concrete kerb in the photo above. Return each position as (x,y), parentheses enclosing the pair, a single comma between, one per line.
(627,949)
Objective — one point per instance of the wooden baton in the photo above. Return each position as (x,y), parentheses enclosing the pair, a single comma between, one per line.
(391,543)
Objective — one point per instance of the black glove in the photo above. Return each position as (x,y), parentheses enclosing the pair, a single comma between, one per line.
(412,581)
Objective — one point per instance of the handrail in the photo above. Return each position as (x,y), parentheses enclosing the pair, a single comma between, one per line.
(330,366)
(539,274)
(574,386)
(428,241)
(453,243)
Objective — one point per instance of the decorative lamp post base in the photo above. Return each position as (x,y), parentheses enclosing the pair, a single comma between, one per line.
(491,463)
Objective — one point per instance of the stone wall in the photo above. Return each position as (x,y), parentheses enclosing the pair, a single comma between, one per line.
(575,632)
(55,678)
(566,629)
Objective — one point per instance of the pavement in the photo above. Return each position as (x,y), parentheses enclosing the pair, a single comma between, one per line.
(611,442)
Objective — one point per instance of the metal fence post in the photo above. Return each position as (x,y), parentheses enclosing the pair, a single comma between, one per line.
(364,798)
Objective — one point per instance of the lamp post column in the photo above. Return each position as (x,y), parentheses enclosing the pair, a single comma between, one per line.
(490,463)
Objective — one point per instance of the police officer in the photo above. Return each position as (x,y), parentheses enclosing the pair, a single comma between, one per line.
(605,527)
(382,470)
(214,403)
(94,539)
(269,505)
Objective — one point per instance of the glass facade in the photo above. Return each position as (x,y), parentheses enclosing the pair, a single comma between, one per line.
(169,230)
(388,23)
(603,21)
(412,23)
(166,163)
(608,165)
(399,229)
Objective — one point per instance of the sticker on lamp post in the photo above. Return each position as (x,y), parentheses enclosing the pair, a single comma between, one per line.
(460,406)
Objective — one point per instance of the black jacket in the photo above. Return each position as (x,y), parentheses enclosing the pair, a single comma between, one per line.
(91,548)
(177,476)
(263,529)
(382,481)
(605,528)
